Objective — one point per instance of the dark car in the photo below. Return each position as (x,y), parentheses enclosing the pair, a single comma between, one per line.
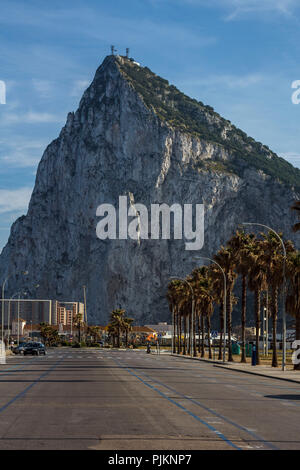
(35,349)
(19,349)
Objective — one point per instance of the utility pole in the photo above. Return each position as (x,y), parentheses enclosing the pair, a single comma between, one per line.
(18,341)
(84,296)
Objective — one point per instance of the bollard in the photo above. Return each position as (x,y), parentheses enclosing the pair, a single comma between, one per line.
(2,353)
(254,355)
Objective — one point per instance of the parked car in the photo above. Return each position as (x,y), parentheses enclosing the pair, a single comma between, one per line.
(35,349)
(19,349)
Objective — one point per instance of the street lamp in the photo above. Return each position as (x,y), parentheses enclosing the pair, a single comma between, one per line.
(224,302)
(3,303)
(193,351)
(8,315)
(284,289)
(26,293)
(84,296)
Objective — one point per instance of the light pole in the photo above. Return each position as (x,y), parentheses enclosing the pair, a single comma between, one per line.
(18,330)
(3,303)
(8,314)
(84,296)
(284,289)
(18,337)
(193,350)
(224,302)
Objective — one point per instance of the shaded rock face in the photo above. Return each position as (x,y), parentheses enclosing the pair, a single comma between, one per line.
(115,145)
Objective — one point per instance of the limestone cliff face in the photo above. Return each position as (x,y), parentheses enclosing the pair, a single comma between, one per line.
(117,143)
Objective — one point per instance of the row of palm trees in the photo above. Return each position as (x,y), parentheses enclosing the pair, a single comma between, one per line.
(258,261)
(119,325)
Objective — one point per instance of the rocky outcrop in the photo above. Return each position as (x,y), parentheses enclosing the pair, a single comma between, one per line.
(115,144)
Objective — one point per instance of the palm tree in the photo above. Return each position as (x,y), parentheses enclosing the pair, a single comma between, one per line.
(226,258)
(296,207)
(293,291)
(112,330)
(242,244)
(218,293)
(127,327)
(77,321)
(257,283)
(273,259)
(171,296)
(203,290)
(117,324)
(94,332)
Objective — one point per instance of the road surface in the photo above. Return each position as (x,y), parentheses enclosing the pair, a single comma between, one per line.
(115,399)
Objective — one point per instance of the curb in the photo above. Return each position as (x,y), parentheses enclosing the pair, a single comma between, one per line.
(258,374)
(210,361)
(217,364)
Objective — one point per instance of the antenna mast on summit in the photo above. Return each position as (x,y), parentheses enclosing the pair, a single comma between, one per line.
(127,52)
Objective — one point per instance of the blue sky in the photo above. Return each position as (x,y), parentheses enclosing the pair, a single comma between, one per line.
(239,56)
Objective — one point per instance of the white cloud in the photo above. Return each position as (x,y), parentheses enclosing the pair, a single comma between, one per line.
(242,7)
(14,199)
(238,8)
(79,86)
(21,153)
(228,81)
(31,117)
(43,87)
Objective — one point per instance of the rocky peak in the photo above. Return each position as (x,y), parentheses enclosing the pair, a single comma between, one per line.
(134,134)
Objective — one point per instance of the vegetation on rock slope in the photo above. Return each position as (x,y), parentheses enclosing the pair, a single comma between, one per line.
(193,117)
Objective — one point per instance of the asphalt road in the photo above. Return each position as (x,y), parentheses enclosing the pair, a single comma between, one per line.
(104,399)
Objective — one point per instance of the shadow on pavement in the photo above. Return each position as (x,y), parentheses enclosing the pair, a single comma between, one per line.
(284,397)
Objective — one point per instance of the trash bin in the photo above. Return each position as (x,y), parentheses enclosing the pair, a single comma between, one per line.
(253,356)
(236,349)
(248,350)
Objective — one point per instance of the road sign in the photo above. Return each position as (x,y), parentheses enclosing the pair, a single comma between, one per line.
(214,334)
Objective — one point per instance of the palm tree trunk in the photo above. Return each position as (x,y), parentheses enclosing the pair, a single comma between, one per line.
(199,333)
(221,314)
(189,332)
(274,308)
(174,331)
(208,335)
(180,333)
(184,338)
(202,331)
(257,323)
(229,311)
(194,334)
(244,300)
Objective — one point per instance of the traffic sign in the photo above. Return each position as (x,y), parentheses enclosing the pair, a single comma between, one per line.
(214,334)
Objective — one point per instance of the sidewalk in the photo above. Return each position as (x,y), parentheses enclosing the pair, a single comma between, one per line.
(264,371)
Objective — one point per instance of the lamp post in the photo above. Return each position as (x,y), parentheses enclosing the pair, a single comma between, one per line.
(8,314)
(193,349)
(224,301)
(284,289)
(3,303)
(84,296)
(18,336)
